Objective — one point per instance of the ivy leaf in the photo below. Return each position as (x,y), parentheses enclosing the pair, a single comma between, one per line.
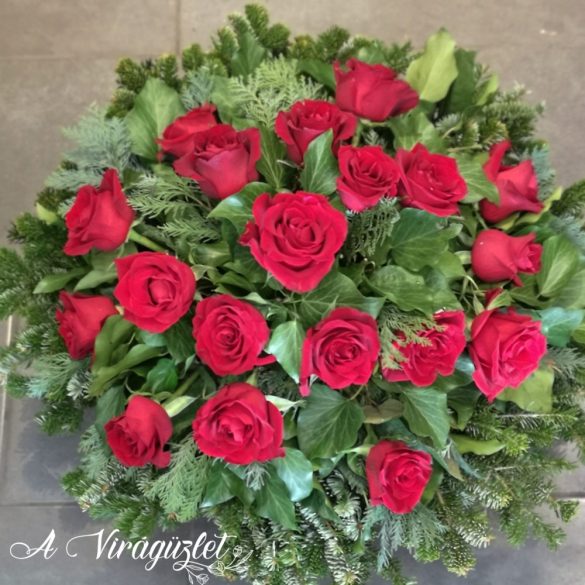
(573,294)
(478,185)
(274,502)
(462,401)
(248,56)
(296,471)
(386,411)
(560,262)
(109,405)
(237,209)
(328,424)
(155,107)
(273,151)
(223,485)
(558,324)
(163,377)
(413,128)
(463,89)
(179,340)
(319,70)
(55,282)
(425,410)
(286,344)
(320,166)
(535,394)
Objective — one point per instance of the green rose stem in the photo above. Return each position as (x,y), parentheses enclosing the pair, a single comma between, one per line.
(134,236)
(358,134)
(182,388)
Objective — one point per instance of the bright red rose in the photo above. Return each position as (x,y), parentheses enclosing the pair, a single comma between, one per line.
(100,217)
(430,181)
(81,320)
(308,119)
(222,160)
(423,363)
(341,350)
(239,426)
(295,236)
(372,91)
(139,435)
(505,348)
(497,256)
(155,289)
(178,137)
(367,175)
(397,475)
(517,186)
(230,335)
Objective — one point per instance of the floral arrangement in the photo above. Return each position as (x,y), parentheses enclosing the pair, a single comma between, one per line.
(322,291)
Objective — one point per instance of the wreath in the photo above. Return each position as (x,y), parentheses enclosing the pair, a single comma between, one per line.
(322,291)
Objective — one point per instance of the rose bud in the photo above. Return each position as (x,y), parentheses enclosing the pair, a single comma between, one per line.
(497,256)
(422,363)
(155,289)
(139,435)
(81,320)
(430,181)
(366,175)
(308,119)
(397,475)
(239,426)
(221,160)
(341,350)
(372,91)
(517,186)
(100,218)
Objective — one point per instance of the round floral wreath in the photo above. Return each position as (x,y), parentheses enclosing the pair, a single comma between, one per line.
(322,291)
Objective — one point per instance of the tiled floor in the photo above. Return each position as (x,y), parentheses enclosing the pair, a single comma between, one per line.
(57,56)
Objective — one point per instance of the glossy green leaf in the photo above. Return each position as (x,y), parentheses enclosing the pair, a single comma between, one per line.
(55,282)
(296,471)
(115,332)
(163,377)
(535,394)
(248,56)
(318,70)
(237,208)
(96,277)
(425,411)
(415,128)
(286,344)
(558,324)
(269,165)
(274,502)
(109,405)
(467,444)
(478,185)
(560,262)
(178,405)
(320,169)
(462,91)
(179,340)
(381,413)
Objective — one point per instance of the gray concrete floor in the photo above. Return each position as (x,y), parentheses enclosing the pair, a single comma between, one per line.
(58,56)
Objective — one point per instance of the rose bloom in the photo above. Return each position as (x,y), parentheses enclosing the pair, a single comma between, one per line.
(430,181)
(308,119)
(239,426)
(341,350)
(81,320)
(221,160)
(517,186)
(100,218)
(497,256)
(295,236)
(139,435)
(397,475)
(230,335)
(505,348)
(178,137)
(423,363)
(372,91)
(155,289)
(366,175)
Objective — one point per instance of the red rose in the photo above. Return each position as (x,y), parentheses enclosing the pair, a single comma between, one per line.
(423,363)
(367,175)
(222,160)
(430,181)
(139,436)
(178,137)
(517,186)
(308,119)
(505,348)
(497,256)
(81,320)
(372,91)
(295,237)
(230,335)
(341,350)
(155,290)
(239,425)
(99,218)
(397,475)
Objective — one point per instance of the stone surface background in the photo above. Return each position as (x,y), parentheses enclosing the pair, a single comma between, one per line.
(58,56)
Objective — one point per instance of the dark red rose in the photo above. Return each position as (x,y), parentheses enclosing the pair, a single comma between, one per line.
(139,435)
(430,181)
(81,320)
(178,137)
(497,256)
(295,236)
(239,426)
(308,119)
(423,363)
(517,186)
(505,348)
(372,91)
(397,475)
(367,175)
(100,217)
(341,350)
(155,289)
(230,335)
(222,160)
